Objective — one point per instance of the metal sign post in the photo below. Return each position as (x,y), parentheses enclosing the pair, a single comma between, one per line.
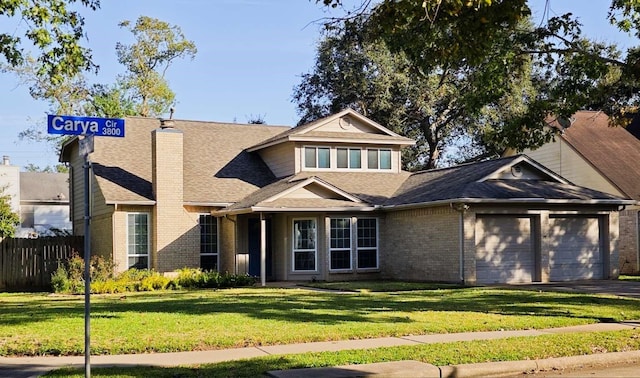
(86,147)
(87,127)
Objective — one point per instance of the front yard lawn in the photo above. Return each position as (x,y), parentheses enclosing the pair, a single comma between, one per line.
(42,324)
(512,349)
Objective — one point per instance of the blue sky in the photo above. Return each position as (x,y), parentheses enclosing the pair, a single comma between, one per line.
(251,54)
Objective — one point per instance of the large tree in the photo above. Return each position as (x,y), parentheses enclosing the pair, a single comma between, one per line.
(453,101)
(142,90)
(53,28)
(157,45)
(569,72)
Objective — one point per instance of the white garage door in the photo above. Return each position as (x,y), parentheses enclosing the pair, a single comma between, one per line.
(504,249)
(575,251)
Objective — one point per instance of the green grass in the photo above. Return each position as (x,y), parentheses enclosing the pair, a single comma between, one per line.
(630,278)
(512,349)
(40,324)
(381,286)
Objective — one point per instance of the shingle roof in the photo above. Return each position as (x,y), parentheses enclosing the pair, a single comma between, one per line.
(613,151)
(44,187)
(372,188)
(216,167)
(468,181)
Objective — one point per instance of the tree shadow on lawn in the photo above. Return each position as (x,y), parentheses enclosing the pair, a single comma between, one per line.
(301,306)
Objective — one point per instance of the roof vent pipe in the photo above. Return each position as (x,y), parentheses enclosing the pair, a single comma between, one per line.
(5,160)
(166,123)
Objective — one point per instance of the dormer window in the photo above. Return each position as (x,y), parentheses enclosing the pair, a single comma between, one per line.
(346,158)
(317,157)
(349,158)
(378,159)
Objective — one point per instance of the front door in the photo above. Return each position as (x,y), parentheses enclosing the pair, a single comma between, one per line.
(254,247)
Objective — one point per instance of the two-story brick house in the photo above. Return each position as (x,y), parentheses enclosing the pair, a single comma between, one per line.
(329,201)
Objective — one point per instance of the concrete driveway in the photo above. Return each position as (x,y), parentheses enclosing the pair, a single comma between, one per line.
(613,287)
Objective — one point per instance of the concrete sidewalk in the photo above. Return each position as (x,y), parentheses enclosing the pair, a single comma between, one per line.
(34,366)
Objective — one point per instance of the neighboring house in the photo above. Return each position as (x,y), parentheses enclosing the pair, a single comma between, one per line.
(40,198)
(328,201)
(590,153)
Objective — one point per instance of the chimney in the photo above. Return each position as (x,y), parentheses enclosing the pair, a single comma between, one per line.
(5,160)
(170,219)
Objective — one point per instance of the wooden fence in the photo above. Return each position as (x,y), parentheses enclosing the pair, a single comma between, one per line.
(27,264)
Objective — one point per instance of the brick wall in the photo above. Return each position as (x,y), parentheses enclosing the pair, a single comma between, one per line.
(172,226)
(421,245)
(628,242)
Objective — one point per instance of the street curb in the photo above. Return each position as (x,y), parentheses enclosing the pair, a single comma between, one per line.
(510,368)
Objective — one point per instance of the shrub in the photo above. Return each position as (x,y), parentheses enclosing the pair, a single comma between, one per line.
(193,278)
(69,277)
(60,282)
(155,281)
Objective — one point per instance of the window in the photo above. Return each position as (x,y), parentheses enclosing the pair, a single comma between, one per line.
(378,159)
(208,242)
(138,240)
(340,248)
(317,157)
(367,248)
(349,158)
(304,245)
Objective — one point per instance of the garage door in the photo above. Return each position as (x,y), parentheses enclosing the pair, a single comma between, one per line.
(575,251)
(504,249)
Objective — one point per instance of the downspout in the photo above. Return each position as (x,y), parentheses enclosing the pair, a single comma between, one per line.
(263,250)
(235,242)
(460,208)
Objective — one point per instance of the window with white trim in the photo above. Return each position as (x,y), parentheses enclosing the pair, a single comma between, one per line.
(317,157)
(378,158)
(340,244)
(138,240)
(350,158)
(305,253)
(208,242)
(367,243)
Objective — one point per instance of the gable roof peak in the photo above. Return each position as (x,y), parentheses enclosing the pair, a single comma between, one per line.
(309,131)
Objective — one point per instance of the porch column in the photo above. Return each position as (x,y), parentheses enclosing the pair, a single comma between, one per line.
(263,250)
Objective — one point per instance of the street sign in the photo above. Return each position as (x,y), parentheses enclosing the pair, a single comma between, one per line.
(70,125)
(88,127)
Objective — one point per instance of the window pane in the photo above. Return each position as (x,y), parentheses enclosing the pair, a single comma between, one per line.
(324,160)
(355,158)
(367,233)
(304,261)
(385,159)
(138,262)
(372,159)
(341,233)
(209,262)
(367,259)
(138,240)
(342,156)
(208,234)
(304,234)
(341,259)
(310,157)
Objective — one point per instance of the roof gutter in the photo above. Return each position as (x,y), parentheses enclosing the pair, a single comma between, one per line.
(133,203)
(208,204)
(611,202)
(258,209)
